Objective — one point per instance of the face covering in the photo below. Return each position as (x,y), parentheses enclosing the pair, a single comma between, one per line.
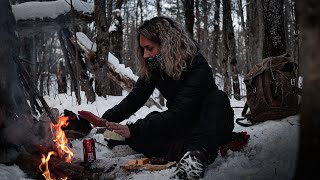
(154,62)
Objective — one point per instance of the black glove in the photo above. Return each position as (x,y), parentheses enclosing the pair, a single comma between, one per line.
(77,123)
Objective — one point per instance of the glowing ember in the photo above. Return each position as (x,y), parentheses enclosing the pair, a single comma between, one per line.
(61,140)
(45,162)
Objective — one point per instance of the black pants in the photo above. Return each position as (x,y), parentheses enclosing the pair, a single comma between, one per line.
(213,129)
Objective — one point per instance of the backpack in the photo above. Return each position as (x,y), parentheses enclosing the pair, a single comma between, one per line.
(272,91)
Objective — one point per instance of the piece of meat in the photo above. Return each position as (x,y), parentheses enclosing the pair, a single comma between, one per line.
(93,119)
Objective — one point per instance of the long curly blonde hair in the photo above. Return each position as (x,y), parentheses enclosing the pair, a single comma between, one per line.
(176,46)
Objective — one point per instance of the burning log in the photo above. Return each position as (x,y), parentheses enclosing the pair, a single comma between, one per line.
(58,168)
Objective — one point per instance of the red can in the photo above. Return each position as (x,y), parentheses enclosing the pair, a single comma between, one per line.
(89,151)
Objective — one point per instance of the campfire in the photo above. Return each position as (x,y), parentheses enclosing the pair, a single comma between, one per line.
(51,158)
(61,145)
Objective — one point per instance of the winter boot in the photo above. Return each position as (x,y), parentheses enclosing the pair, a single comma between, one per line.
(191,166)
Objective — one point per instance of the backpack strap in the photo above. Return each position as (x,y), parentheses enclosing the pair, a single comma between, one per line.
(245,109)
(245,115)
(244,124)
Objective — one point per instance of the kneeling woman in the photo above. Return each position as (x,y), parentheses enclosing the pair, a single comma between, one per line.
(199,117)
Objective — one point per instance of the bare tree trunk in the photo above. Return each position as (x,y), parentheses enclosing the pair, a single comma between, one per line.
(309,148)
(74,53)
(127,55)
(198,20)
(68,59)
(226,77)
(45,55)
(243,35)
(158,6)
(230,50)
(188,6)
(274,33)
(48,79)
(33,68)
(86,82)
(62,78)
(41,84)
(116,41)
(288,26)
(225,62)
(255,28)
(226,50)
(136,17)
(178,11)
(102,86)
(205,41)
(116,33)
(141,10)
(42,65)
(233,58)
(216,35)
(109,13)
(296,42)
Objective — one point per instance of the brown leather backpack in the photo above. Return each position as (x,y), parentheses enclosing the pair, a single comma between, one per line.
(272,91)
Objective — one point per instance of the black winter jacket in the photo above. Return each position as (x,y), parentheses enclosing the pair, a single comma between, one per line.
(184,102)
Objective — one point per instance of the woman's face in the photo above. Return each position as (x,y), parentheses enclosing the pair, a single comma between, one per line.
(149,47)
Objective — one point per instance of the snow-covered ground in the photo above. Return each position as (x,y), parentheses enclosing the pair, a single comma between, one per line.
(270,153)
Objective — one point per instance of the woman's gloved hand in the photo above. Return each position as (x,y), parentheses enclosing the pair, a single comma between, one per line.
(123,130)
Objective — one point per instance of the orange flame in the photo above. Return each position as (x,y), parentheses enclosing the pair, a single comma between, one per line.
(61,140)
(45,162)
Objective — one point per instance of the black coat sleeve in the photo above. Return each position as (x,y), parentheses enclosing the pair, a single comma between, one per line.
(131,103)
(196,82)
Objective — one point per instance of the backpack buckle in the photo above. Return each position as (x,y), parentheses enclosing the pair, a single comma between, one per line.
(293,82)
(254,90)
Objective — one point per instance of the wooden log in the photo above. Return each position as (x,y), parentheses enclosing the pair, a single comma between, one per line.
(152,167)
(58,168)
(143,161)
(148,166)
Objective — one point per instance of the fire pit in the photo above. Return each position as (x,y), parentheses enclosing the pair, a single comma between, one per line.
(55,161)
